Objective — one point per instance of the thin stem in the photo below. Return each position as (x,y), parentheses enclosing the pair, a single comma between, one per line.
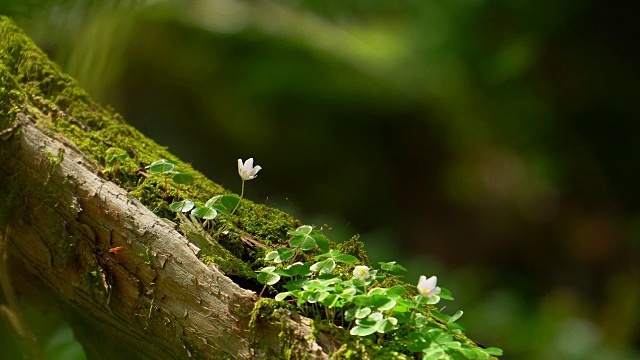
(414,310)
(239,200)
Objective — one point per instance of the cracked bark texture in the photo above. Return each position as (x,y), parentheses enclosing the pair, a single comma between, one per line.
(153,299)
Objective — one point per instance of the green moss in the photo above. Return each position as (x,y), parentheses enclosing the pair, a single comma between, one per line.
(356,248)
(290,343)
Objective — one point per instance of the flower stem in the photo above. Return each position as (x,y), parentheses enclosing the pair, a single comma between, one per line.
(414,311)
(241,195)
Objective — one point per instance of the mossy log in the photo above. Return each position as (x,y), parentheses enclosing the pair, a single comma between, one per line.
(65,208)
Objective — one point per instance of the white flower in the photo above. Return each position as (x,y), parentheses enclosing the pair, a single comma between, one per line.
(246,170)
(361,272)
(427,287)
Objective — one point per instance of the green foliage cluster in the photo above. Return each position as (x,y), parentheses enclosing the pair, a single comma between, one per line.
(319,287)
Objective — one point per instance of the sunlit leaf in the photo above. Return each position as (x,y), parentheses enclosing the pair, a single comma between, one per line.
(493,351)
(445,294)
(323,242)
(304,242)
(230,201)
(182,179)
(324,266)
(392,267)
(330,300)
(181,206)
(206,213)
(455,316)
(386,325)
(363,312)
(396,292)
(382,302)
(362,330)
(213,200)
(113,157)
(267,276)
(161,166)
(283,295)
(302,230)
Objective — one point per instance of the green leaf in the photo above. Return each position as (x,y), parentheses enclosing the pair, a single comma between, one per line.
(493,351)
(319,296)
(362,330)
(442,317)
(361,300)
(350,314)
(444,338)
(409,304)
(206,213)
(338,256)
(330,300)
(295,284)
(230,201)
(301,269)
(396,292)
(268,276)
(433,354)
(480,354)
(329,278)
(417,346)
(302,230)
(281,254)
(283,295)
(445,294)
(382,302)
(468,353)
(120,157)
(344,258)
(432,300)
(220,208)
(349,291)
(161,161)
(392,267)
(284,254)
(387,325)
(304,242)
(377,291)
(420,320)
(363,312)
(271,255)
(323,242)
(213,200)
(455,316)
(161,166)
(181,206)
(324,267)
(182,179)
(376,316)
(453,345)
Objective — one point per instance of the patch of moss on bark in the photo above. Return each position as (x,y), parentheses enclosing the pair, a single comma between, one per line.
(32,84)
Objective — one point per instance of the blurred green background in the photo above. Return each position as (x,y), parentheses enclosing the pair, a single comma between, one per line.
(493,143)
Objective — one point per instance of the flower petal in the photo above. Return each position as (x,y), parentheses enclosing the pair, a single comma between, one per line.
(431,283)
(240,166)
(255,170)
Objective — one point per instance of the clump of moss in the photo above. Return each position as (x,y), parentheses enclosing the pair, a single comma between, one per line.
(356,248)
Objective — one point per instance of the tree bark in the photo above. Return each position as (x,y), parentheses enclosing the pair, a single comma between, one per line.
(150,296)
